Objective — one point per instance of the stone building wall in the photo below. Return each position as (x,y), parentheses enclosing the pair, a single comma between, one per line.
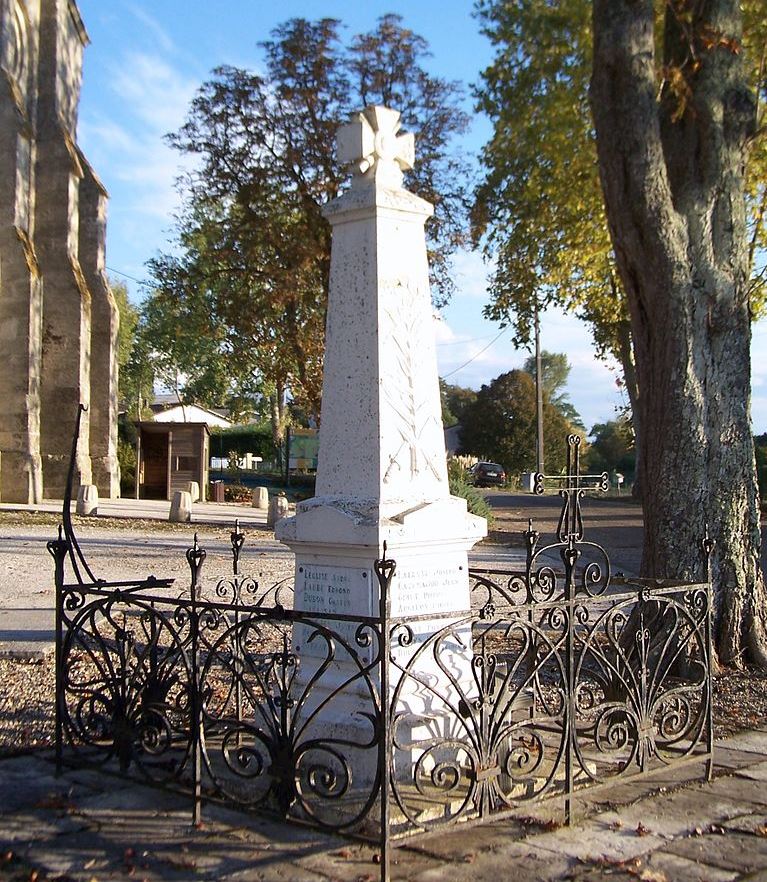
(58,320)
(20,278)
(104,327)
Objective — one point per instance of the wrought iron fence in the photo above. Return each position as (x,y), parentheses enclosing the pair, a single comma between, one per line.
(383,728)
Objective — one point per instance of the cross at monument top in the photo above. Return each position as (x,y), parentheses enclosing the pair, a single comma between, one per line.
(372,146)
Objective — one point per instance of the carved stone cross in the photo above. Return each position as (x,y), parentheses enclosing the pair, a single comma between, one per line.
(371,145)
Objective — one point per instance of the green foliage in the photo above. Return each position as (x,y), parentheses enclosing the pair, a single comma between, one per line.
(612,448)
(245,294)
(555,371)
(501,425)
(455,400)
(126,456)
(476,502)
(255,438)
(136,373)
(539,210)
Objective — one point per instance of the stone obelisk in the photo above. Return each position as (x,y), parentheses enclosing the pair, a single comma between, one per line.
(382,474)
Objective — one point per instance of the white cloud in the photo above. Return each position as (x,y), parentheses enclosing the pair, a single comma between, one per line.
(152,91)
(125,142)
(151,25)
(470,273)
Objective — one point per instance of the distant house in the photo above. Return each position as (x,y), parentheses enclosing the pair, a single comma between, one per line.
(168,409)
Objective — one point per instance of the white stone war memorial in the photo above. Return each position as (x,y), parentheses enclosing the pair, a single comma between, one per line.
(382,473)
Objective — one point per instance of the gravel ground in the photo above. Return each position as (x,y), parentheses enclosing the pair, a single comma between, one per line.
(26,704)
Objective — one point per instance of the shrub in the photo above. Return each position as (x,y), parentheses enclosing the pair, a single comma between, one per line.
(458,487)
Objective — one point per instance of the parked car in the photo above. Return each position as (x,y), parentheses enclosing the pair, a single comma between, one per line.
(487,474)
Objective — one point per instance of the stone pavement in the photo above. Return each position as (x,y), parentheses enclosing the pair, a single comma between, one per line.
(672,827)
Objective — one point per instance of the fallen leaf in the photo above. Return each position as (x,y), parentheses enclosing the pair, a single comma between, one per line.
(55,802)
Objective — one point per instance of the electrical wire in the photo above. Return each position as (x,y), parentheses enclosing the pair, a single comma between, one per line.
(457,342)
(474,357)
(126,276)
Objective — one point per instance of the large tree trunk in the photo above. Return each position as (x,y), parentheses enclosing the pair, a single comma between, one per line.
(672,174)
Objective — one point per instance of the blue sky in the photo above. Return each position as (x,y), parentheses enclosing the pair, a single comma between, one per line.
(143,66)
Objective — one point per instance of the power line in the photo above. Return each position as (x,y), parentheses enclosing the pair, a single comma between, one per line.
(457,342)
(474,357)
(126,276)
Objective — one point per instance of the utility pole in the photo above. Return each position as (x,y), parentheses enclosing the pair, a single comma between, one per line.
(538,390)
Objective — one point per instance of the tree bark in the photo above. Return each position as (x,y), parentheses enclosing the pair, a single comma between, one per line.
(672,174)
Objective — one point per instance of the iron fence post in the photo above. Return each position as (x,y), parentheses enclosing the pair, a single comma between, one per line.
(195,558)
(384,569)
(707,547)
(59,548)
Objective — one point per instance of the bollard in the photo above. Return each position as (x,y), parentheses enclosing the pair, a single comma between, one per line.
(181,507)
(87,500)
(260,498)
(193,489)
(278,508)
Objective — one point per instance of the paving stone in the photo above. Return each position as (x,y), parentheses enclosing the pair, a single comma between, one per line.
(640,788)
(25,785)
(758,772)
(675,814)
(732,758)
(748,823)
(284,872)
(753,741)
(741,789)
(597,840)
(681,869)
(733,851)
(349,862)
(18,829)
(517,860)
(466,843)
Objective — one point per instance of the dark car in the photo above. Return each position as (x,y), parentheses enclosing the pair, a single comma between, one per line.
(487,474)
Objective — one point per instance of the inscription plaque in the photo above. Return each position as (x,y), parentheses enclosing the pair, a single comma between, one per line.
(326,589)
(429,585)
(347,591)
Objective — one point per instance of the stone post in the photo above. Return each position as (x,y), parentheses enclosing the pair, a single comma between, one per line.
(260,498)
(180,507)
(278,508)
(382,474)
(87,500)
